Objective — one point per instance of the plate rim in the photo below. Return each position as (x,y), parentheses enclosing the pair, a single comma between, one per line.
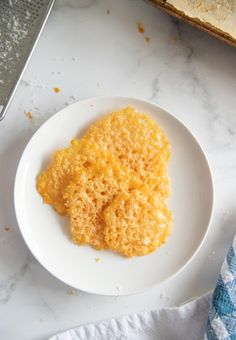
(211,184)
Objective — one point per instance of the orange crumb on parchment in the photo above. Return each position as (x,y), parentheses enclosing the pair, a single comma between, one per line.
(7,228)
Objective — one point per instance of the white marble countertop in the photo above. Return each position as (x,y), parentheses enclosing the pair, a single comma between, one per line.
(91,48)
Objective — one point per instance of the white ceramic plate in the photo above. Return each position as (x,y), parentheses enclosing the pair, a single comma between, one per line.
(46,233)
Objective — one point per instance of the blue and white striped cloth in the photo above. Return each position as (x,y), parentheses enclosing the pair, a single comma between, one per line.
(221,324)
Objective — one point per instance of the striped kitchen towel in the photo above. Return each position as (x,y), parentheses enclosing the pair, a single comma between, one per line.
(221,324)
(186,322)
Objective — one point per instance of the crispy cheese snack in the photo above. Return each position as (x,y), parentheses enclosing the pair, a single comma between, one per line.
(113,184)
(136,223)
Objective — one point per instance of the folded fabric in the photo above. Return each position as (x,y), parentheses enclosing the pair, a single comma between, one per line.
(208,317)
(183,323)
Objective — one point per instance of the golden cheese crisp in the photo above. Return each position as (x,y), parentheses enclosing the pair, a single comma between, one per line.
(134,138)
(138,142)
(87,196)
(136,223)
(118,166)
(52,183)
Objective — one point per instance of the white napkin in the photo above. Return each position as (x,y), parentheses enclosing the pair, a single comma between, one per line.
(180,323)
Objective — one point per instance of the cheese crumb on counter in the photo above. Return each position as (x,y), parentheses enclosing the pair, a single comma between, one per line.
(56,89)
(29,114)
(140,27)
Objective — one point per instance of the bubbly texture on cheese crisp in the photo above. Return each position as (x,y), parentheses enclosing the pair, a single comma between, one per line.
(113,184)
